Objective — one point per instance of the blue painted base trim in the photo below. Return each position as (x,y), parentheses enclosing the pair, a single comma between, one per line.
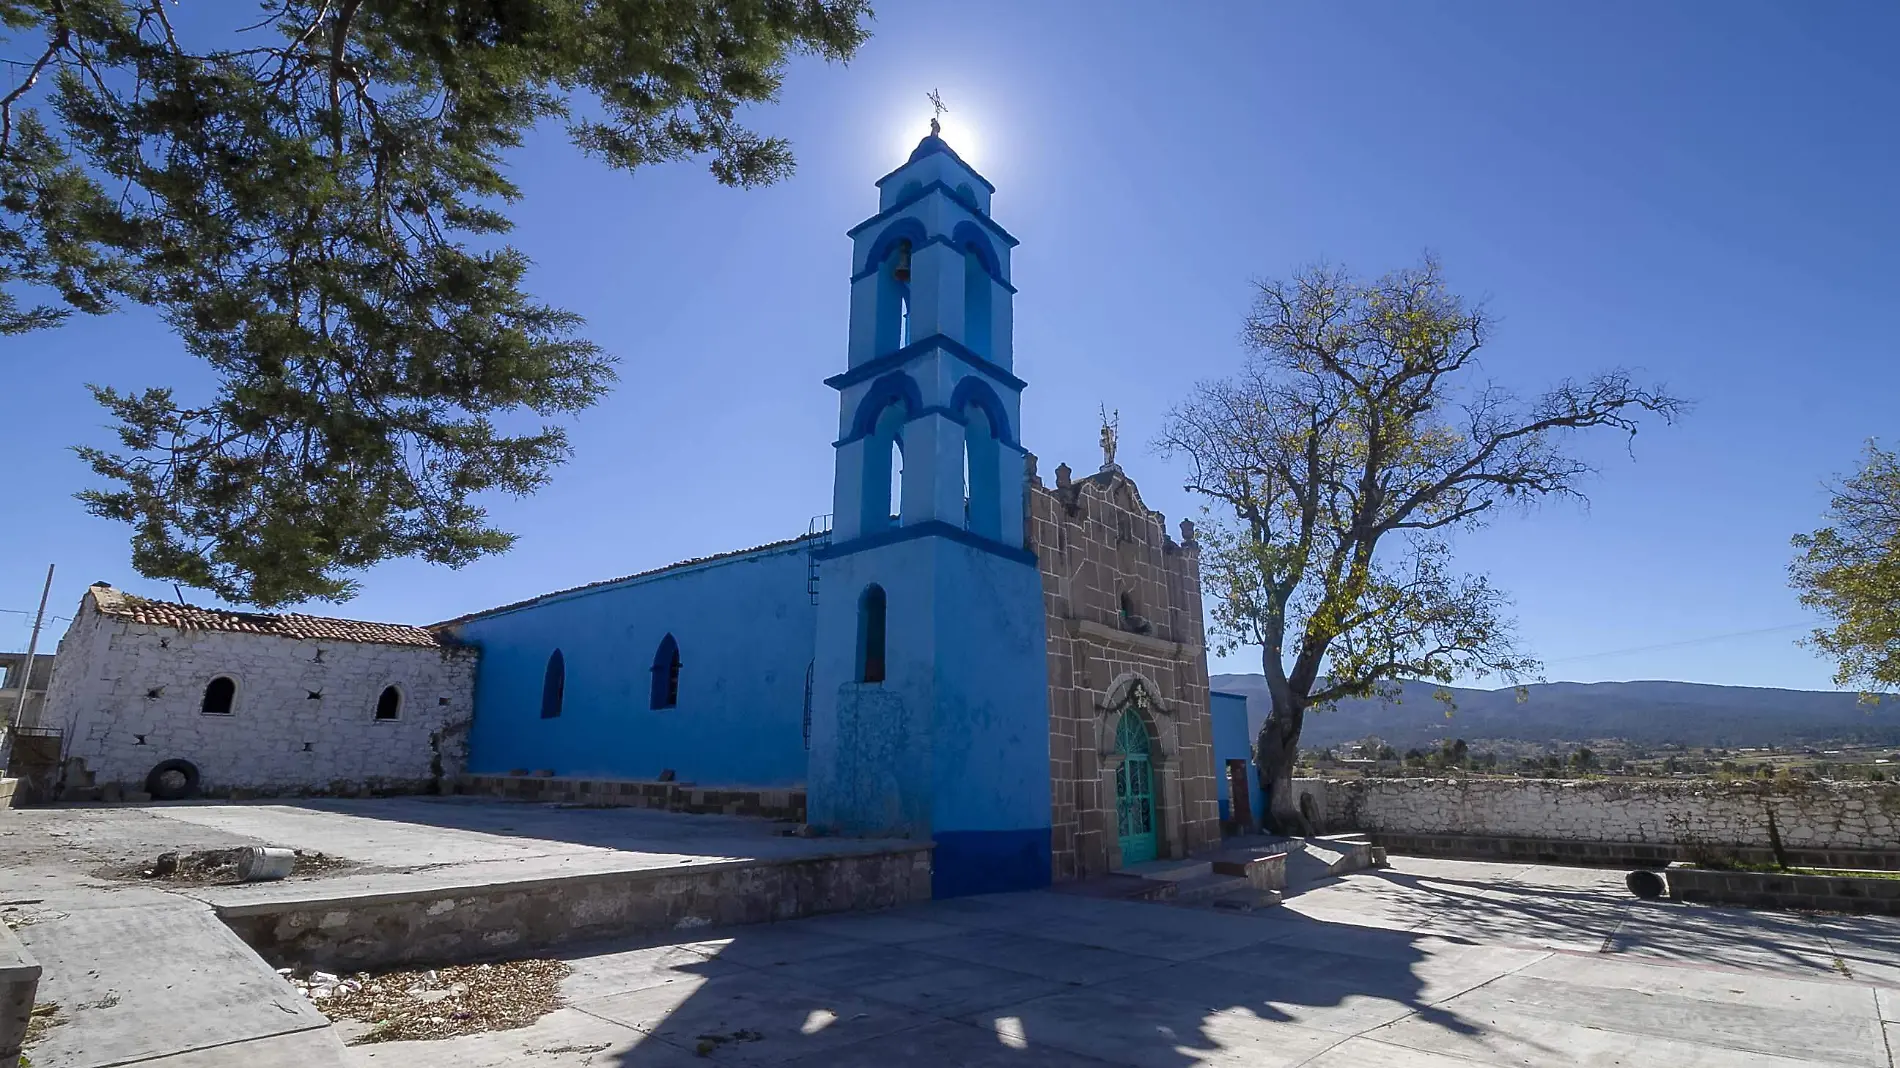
(929,528)
(989,862)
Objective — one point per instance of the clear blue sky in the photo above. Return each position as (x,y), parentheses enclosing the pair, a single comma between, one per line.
(1707,192)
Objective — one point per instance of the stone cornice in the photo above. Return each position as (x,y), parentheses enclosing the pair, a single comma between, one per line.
(1088,628)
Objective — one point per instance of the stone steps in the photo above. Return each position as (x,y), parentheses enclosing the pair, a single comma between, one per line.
(1231,892)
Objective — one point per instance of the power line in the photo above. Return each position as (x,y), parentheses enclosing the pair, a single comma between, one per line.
(1680,644)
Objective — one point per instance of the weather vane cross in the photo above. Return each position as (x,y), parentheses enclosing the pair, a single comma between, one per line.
(937,111)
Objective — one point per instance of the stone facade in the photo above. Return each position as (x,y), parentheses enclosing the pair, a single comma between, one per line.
(1816,817)
(128,693)
(1123,601)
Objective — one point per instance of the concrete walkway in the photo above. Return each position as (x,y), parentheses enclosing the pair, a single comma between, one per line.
(1432,963)
(145,973)
(1436,964)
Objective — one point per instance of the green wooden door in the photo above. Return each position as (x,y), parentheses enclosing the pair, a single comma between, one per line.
(1134,793)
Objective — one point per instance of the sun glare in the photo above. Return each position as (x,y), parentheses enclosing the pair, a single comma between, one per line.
(961,133)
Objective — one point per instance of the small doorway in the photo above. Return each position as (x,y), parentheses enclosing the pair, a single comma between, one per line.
(1134,792)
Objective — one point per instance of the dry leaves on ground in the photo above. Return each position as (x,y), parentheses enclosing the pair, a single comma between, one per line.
(442,1002)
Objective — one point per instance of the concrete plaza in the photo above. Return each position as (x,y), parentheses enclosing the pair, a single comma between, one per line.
(1436,964)
(1430,962)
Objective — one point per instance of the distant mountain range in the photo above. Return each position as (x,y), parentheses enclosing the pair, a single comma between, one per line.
(1647,713)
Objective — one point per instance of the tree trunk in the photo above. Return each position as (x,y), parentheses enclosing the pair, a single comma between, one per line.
(1279,750)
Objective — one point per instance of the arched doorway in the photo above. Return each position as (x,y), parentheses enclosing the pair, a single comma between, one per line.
(1134,791)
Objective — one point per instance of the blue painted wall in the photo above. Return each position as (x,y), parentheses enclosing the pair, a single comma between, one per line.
(744,624)
(953,745)
(1232,742)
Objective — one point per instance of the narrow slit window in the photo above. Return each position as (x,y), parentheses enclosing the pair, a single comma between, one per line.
(553,685)
(666,674)
(871,634)
(897,481)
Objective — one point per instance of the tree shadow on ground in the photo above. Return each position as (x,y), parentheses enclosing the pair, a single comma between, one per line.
(1625,925)
(1022,978)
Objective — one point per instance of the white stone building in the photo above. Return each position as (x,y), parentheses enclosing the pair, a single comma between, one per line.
(255,702)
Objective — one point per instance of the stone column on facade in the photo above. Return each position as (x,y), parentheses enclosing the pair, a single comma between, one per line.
(1169,826)
(1110,809)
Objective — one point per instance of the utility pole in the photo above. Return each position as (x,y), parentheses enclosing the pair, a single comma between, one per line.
(32,644)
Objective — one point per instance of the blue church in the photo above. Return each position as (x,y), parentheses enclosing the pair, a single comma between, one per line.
(1013,671)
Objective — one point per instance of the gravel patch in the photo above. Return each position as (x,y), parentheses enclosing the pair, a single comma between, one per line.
(439,1002)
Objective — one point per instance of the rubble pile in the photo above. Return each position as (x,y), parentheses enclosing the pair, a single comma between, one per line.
(436,1003)
(205,866)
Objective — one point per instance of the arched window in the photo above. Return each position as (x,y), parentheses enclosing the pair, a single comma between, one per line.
(871,634)
(553,685)
(977,297)
(220,695)
(983,508)
(892,258)
(883,487)
(389,704)
(666,674)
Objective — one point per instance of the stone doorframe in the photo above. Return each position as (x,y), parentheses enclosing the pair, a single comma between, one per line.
(1132,694)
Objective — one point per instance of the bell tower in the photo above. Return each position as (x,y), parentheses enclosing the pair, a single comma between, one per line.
(930,714)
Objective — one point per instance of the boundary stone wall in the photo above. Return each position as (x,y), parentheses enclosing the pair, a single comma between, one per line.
(1784,890)
(1611,821)
(782,803)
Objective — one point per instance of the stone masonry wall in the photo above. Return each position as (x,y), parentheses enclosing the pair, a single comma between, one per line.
(128,695)
(1096,542)
(1821,817)
(504,918)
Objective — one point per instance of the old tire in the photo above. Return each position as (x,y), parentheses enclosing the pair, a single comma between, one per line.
(172,780)
(1647,885)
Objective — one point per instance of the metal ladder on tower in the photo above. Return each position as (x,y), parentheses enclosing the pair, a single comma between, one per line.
(817,539)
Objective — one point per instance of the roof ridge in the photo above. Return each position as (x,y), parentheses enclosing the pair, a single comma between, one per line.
(649,573)
(119,604)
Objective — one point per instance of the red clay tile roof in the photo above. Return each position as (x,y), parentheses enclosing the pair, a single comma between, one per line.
(121,605)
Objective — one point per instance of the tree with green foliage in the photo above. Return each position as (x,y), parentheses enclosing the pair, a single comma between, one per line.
(1849,571)
(1352,443)
(314,198)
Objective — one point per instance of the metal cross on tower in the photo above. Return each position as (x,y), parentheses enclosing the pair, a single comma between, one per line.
(938,111)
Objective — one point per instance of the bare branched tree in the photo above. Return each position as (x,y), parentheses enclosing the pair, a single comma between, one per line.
(1336,463)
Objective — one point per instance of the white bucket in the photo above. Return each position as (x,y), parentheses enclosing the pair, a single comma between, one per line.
(259,863)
